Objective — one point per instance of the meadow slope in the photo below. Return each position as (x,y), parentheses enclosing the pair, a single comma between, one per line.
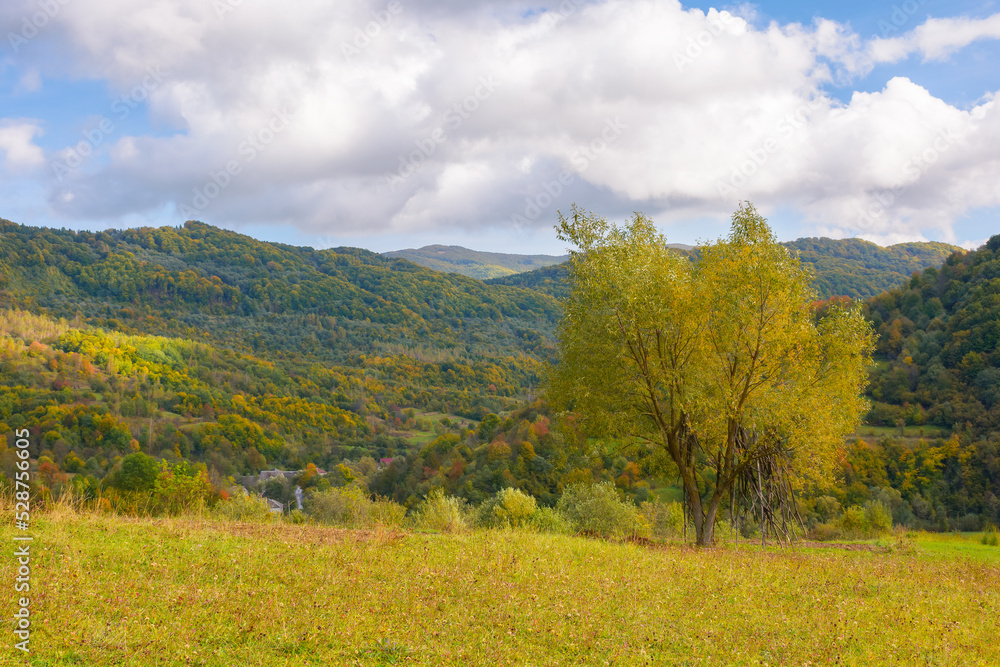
(109,590)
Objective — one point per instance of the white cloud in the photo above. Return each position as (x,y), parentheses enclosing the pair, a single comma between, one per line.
(17,143)
(936,39)
(712,108)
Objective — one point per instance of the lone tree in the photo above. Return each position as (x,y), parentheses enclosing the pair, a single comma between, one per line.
(722,362)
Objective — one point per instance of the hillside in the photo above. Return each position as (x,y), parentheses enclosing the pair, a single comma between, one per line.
(843,267)
(938,346)
(199,344)
(861,269)
(473,263)
(323,304)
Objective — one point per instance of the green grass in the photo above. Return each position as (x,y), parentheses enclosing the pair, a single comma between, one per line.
(117,591)
(952,545)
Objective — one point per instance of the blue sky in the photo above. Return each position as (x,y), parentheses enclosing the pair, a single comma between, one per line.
(399,123)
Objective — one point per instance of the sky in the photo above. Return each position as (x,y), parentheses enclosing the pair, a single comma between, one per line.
(388,124)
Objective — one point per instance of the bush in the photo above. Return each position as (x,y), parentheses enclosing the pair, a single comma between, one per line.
(664,519)
(990,537)
(351,507)
(550,520)
(243,507)
(441,512)
(384,512)
(597,510)
(345,506)
(853,522)
(509,508)
(878,517)
(825,532)
(872,520)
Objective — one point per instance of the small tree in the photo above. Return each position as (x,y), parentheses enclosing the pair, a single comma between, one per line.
(139,472)
(721,362)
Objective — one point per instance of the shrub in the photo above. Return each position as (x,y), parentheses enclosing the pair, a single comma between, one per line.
(550,520)
(384,512)
(665,519)
(350,507)
(990,537)
(509,508)
(441,512)
(878,517)
(243,507)
(853,522)
(827,508)
(346,506)
(824,532)
(597,510)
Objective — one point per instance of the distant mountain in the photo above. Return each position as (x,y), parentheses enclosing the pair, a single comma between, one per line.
(475,264)
(843,267)
(861,269)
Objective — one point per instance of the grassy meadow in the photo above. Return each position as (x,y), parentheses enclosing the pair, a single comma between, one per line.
(111,590)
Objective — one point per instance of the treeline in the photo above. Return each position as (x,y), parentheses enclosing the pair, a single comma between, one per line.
(841,267)
(930,484)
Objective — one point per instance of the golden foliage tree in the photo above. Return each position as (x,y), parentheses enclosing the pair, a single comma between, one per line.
(721,363)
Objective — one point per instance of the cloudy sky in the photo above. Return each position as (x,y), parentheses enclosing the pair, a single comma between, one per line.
(398,123)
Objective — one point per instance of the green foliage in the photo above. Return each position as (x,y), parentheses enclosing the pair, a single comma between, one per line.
(598,510)
(139,472)
(509,508)
(447,514)
(665,520)
(243,507)
(718,363)
(860,269)
(351,507)
(488,426)
(550,520)
(181,489)
(990,537)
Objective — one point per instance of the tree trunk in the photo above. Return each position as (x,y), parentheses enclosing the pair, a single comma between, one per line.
(706,532)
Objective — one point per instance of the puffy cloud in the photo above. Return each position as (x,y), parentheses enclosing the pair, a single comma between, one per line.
(17,142)
(369,115)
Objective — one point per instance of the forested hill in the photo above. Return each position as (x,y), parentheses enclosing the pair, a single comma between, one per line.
(843,267)
(473,263)
(861,269)
(198,281)
(939,346)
